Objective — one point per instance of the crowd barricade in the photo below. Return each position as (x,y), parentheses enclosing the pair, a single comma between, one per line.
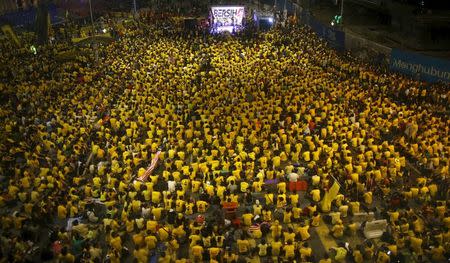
(418,66)
(361,217)
(415,65)
(375,229)
(334,36)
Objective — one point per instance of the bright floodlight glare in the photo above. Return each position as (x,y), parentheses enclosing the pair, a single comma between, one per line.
(270,20)
(104,30)
(332,23)
(33,50)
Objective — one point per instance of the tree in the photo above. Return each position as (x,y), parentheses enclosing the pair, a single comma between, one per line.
(42,22)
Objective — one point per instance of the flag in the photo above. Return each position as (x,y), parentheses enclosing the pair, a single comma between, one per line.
(253,228)
(9,32)
(150,168)
(329,197)
(334,190)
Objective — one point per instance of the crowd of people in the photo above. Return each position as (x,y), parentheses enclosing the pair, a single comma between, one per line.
(236,123)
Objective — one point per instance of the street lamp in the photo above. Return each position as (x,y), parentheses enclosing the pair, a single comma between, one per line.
(92,18)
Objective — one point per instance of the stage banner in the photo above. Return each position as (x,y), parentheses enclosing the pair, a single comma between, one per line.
(419,66)
(227,15)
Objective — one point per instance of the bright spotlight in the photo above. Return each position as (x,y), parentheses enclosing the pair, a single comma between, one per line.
(270,19)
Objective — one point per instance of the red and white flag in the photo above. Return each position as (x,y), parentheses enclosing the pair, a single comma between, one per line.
(253,228)
(150,168)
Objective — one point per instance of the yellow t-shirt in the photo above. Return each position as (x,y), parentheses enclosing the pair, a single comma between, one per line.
(289,251)
(247,219)
(243,245)
(315,193)
(304,232)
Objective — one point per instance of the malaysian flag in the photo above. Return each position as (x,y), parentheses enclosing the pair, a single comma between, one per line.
(150,168)
(253,228)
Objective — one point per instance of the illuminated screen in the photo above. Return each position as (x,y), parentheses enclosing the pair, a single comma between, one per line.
(225,18)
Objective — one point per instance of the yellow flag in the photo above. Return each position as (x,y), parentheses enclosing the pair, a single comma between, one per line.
(334,191)
(8,31)
(329,197)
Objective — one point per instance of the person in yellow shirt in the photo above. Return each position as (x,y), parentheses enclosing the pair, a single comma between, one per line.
(267,214)
(400,241)
(257,186)
(116,242)
(138,239)
(164,233)
(287,216)
(338,229)
(165,257)
(315,222)
(305,252)
(382,256)
(311,208)
(416,244)
(340,253)
(257,208)
(189,208)
(358,255)
(418,225)
(281,186)
(201,206)
(195,186)
(315,194)
(303,231)
(393,216)
(289,235)
(326,259)
(355,206)
(247,218)
(156,197)
(214,251)
(66,256)
(141,254)
(368,198)
(436,252)
(281,201)
(269,198)
(289,251)
(62,212)
(276,229)
(150,240)
(351,228)
(306,156)
(230,257)
(243,246)
(404,226)
(263,248)
(276,161)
